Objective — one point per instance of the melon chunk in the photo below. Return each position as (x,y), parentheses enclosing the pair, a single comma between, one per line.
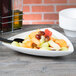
(15,43)
(42,40)
(45,44)
(48,32)
(27,44)
(54,45)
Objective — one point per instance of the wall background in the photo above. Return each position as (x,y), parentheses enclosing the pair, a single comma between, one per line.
(44,11)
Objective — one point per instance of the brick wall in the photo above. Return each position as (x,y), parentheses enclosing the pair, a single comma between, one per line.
(44,11)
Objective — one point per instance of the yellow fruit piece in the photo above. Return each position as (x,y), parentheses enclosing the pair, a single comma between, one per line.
(27,44)
(36,41)
(31,35)
(30,39)
(52,38)
(61,42)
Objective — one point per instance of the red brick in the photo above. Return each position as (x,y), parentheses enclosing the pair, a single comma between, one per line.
(32,17)
(51,17)
(72,1)
(43,22)
(55,1)
(61,7)
(42,8)
(32,1)
(26,9)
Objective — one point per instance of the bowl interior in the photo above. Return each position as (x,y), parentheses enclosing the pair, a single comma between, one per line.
(71,12)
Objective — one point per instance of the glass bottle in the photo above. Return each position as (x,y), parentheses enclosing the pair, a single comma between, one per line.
(17,14)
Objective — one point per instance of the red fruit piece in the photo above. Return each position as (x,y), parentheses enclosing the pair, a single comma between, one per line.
(48,33)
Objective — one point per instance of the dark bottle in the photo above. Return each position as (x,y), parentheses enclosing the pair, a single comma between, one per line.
(5,13)
(0,17)
(6,27)
(6,9)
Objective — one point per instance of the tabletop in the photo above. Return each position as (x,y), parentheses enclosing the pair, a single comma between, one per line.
(13,63)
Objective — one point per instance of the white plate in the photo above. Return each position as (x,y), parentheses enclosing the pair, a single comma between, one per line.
(41,52)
